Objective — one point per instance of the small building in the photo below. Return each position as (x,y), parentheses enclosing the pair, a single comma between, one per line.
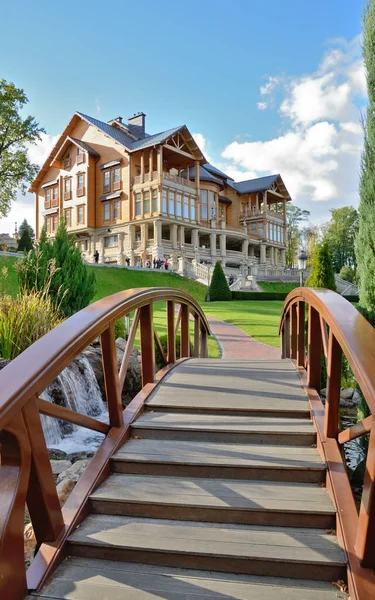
(134,197)
(8,241)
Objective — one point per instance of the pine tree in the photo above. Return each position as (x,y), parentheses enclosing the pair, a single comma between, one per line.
(26,227)
(219,288)
(365,241)
(73,285)
(322,274)
(25,242)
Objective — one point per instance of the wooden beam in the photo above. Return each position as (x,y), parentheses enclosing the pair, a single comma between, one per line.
(178,151)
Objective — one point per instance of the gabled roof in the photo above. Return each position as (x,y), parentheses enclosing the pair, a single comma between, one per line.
(115,133)
(157,138)
(84,146)
(204,175)
(261,184)
(216,171)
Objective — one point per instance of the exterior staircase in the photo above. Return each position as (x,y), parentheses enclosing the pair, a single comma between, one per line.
(219,494)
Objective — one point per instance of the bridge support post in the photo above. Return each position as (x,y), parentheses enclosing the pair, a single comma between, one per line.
(314,362)
(365,540)
(331,423)
(301,335)
(147,345)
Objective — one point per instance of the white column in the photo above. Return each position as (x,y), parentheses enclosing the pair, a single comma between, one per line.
(173,230)
(282,257)
(101,251)
(245,246)
(251,250)
(262,253)
(213,244)
(142,167)
(272,255)
(223,244)
(120,254)
(181,236)
(195,238)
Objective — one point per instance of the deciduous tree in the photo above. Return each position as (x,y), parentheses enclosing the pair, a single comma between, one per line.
(294,216)
(340,235)
(16,133)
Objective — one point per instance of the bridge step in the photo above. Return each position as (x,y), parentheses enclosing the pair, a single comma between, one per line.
(233,387)
(254,550)
(209,459)
(225,428)
(93,579)
(212,500)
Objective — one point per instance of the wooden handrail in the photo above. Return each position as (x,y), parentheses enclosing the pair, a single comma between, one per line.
(337,328)
(25,471)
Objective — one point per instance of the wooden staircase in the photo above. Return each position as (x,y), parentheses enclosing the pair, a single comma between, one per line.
(218,494)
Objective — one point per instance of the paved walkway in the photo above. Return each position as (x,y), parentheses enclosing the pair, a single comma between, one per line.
(235,343)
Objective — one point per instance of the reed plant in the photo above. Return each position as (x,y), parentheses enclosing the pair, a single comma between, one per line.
(27,317)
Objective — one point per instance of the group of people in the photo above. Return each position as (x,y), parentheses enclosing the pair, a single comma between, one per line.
(157,263)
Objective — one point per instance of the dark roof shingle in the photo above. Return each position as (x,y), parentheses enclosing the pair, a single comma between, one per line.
(260,184)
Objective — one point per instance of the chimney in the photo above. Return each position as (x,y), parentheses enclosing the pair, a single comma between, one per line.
(137,124)
(118,119)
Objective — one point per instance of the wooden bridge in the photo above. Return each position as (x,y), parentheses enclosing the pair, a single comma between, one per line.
(223,479)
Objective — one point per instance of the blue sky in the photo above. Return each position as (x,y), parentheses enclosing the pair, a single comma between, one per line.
(256,81)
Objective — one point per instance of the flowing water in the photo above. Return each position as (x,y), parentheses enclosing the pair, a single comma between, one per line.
(82,394)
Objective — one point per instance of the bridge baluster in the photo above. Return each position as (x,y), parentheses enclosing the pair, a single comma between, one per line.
(331,423)
(197,327)
(171,342)
(293,350)
(314,363)
(301,334)
(185,340)
(111,377)
(147,345)
(365,541)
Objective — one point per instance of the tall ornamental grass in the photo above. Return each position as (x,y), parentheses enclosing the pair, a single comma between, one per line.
(26,318)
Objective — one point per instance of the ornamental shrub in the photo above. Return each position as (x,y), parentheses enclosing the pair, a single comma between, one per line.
(219,288)
(72,285)
(322,274)
(347,274)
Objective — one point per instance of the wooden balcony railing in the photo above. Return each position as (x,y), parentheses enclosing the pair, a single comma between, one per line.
(25,473)
(335,328)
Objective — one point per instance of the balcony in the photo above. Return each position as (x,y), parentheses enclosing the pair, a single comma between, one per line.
(252,212)
(167,177)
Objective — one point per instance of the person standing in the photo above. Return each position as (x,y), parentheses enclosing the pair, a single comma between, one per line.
(96,257)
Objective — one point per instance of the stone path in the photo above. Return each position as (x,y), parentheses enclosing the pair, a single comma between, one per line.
(236,343)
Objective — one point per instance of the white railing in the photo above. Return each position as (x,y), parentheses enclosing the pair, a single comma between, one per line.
(345,288)
(179,180)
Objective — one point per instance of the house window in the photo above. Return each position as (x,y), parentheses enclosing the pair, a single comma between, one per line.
(68,217)
(55,195)
(67,188)
(107,211)
(111,241)
(253,228)
(80,215)
(164,208)
(212,205)
(80,156)
(107,181)
(48,224)
(204,207)
(138,205)
(117,210)
(186,207)
(192,209)
(80,184)
(47,201)
(171,202)
(146,203)
(84,245)
(154,201)
(54,223)
(179,205)
(116,178)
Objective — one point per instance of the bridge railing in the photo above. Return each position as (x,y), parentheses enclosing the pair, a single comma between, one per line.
(335,328)
(26,477)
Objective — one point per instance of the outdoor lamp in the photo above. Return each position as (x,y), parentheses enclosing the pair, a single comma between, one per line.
(302,261)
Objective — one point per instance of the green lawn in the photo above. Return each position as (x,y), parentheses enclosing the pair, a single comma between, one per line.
(277,286)
(259,319)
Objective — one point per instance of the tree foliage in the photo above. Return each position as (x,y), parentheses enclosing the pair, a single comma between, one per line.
(365,241)
(310,240)
(322,274)
(26,227)
(72,285)
(25,242)
(16,133)
(347,274)
(340,235)
(219,289)
(294,216)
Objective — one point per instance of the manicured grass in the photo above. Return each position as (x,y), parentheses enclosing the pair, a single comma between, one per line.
(278,286)
(259,319)
(8,276)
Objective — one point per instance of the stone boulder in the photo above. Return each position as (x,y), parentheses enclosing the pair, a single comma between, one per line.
(63,490)
(59,466)
(74,472)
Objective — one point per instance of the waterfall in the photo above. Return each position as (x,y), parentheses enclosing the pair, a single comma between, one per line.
(81,393)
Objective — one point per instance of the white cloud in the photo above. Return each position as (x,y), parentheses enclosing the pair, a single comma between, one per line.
(202,143)
(318,155)
(262,105)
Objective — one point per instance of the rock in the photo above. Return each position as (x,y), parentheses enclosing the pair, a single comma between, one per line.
(3,363)
(74,472)
(358,473)
(356,397)
(323,392)
(58,466)
(56,454)
(64,488)
(121,344)
(347,394)
(74,456)
(29,542)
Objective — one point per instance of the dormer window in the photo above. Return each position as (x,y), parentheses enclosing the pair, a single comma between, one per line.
(66,161)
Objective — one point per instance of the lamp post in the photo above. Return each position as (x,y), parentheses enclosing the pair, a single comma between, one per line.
(208,297)
(302,260)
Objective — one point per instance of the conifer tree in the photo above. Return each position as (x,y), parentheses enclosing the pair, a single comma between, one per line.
(219,288)
(73,285)
(322,274)
(365,241)
(25,242)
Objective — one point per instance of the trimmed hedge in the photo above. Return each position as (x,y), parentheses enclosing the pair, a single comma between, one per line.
(273,296)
